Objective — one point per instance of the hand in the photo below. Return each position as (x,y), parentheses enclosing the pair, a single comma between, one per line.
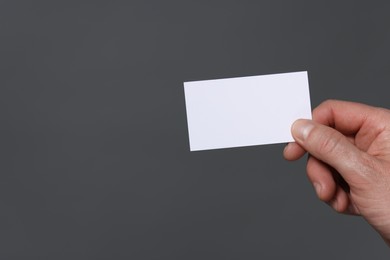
(349,159)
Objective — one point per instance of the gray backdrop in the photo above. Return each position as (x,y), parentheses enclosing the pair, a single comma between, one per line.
(95,161)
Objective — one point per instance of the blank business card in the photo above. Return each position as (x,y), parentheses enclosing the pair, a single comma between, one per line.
(245,111)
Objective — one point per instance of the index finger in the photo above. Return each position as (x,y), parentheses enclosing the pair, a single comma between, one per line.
(344,116)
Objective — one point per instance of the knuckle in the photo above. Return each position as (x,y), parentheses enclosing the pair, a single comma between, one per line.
(367,172)
(381,114)
(328,103)
(370,168)
(309,168)
(329,143)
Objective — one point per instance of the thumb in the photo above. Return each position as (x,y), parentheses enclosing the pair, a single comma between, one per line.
(333,148)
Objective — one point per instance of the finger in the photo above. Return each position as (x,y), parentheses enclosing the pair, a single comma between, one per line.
(340,201)
(351,118)
(321,177)
(333,148)
(346,117)
(293,152)
(351,139)
(352,209)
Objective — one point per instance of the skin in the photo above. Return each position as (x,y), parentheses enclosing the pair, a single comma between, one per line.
(349,159)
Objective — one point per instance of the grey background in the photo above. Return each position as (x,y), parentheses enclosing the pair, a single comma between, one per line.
(95,161)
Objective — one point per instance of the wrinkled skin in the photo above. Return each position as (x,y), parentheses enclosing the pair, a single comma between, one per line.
(349,159)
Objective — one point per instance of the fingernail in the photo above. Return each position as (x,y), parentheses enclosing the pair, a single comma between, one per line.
(318,188)
(301,129)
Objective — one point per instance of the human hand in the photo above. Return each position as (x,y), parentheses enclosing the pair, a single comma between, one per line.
(349,159)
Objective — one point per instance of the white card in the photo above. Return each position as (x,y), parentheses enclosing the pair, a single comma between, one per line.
(245,111)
